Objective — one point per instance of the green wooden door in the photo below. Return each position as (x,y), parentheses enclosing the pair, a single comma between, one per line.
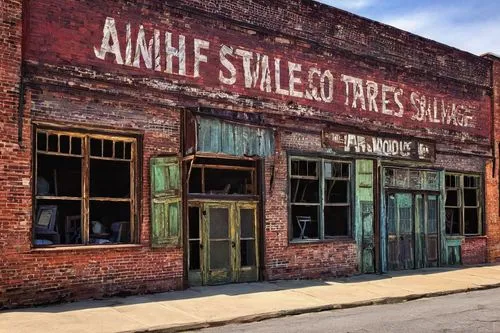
(400,231)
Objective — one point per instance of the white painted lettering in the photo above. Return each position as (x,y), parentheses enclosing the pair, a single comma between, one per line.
(109,32)
(199,44)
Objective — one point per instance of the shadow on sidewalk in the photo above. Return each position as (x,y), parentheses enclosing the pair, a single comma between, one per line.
(228,290)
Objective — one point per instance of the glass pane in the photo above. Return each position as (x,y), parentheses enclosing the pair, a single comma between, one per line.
(219,254)
(405,204)
(432,180)
(247,252)
(432,214)
(471,181)
(119,149)
(336,191)
(471,221)
(452,221)
(305,222)
(336,221)
(470,197)
(109,179)
(194,222)
(194,255)
(247,223)
(219,223)
(304,190)
(109,222)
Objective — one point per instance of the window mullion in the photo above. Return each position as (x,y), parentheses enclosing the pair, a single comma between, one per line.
(86,190)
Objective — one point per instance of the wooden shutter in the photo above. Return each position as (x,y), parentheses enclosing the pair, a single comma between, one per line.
(166,209)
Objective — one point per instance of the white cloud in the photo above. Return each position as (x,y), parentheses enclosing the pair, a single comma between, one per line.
(452,26)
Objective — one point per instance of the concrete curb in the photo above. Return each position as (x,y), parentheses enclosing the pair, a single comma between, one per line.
(294,312)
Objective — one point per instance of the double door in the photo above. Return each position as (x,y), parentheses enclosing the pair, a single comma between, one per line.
(412,230)
(223,242)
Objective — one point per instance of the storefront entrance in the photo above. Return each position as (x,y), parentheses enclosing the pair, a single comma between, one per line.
(412,230)
(223,244)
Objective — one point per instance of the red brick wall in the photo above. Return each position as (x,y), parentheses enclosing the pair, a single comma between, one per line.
(286,260)
(33,276)
(474,250)
(493,175)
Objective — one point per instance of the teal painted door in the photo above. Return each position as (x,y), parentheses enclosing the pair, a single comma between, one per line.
(400,231)
(412,230)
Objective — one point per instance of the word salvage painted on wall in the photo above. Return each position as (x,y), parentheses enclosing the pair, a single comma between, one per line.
(264,73)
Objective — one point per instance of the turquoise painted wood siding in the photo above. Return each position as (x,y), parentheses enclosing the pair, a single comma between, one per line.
(218,136)
(363,223)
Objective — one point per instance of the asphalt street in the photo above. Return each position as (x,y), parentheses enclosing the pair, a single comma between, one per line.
(470,312)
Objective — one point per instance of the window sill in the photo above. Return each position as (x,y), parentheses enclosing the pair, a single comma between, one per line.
(84,247)
(338,239)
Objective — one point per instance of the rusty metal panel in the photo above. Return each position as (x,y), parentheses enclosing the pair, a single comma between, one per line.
(218,136)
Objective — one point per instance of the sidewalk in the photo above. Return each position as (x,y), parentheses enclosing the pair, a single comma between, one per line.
(211,306)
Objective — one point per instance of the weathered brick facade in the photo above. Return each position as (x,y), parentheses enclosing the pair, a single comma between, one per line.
(69,84)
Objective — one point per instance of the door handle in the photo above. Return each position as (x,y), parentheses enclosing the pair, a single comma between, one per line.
(233,245)
(201,246)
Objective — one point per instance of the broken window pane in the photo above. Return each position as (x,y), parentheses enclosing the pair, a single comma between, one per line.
(336,221)
(109,222)
(336,191)
(452,198)
(470,197)
(223,181)
(247,253)
(194,223)
(109,179)
(305,222)
(304,190)
(471,220)
(304,168)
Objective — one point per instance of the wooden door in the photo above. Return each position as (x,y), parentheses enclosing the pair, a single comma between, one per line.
(246,264)
(219,242)
(400,231)
(431,231)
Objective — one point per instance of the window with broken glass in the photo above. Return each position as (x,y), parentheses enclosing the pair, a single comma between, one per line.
(320,198)
(463,204)
(84,188)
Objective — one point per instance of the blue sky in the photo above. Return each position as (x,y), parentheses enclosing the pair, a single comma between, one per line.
(470,25)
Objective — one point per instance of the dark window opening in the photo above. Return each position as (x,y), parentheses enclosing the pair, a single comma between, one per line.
(305,222)
(336,191)
(336,221)
(194,238)
(109,222)
(304,190)
(109,178)
(463,205)
(227,177)
(64,162)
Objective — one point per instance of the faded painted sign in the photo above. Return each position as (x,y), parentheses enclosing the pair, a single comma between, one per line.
(378,146)
(262,72)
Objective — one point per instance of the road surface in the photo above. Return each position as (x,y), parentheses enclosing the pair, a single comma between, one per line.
(471,312)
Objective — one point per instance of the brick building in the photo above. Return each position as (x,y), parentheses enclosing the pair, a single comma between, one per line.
(149,146)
